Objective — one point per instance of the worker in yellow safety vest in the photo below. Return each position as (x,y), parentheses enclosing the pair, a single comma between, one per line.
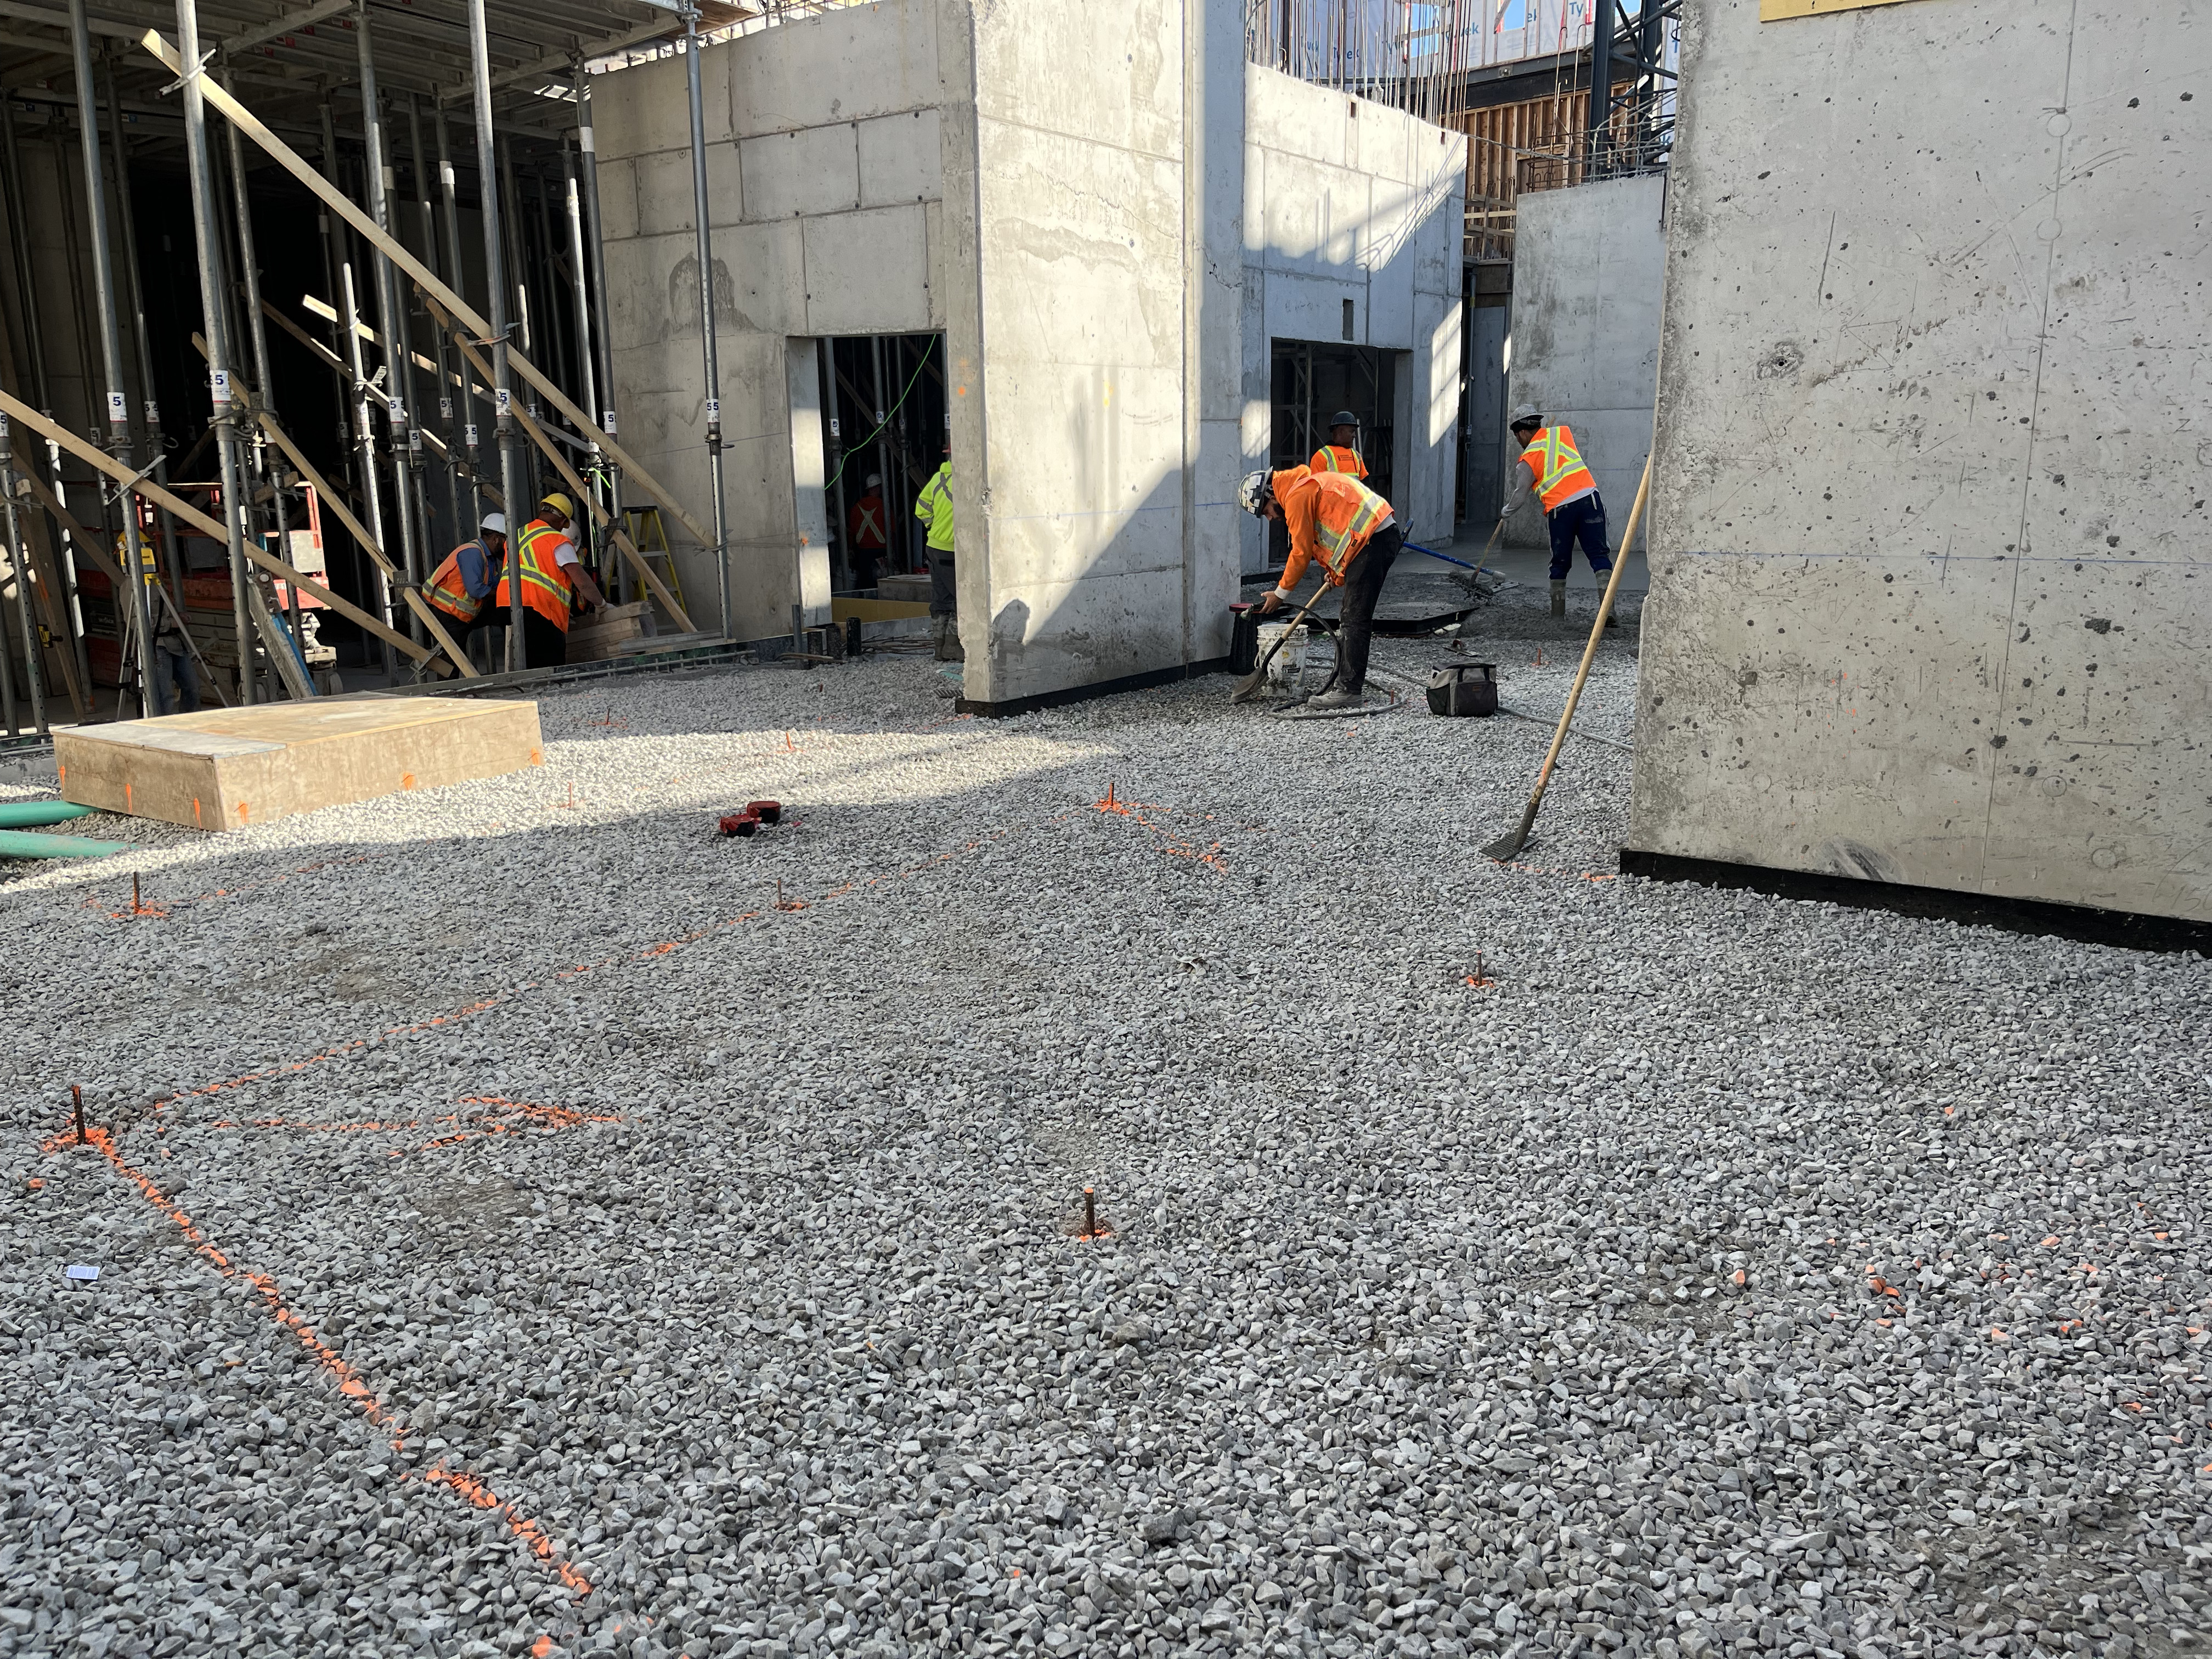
(1335,518)
(552,577)
(1341,453)
(1551,469)
(933,506)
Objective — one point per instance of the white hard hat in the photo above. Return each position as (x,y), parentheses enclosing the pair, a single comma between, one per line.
(1255,492)
(875,480)
(1527,415)
(495,522)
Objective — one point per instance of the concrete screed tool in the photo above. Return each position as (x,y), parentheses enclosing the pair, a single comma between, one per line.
(1509,846)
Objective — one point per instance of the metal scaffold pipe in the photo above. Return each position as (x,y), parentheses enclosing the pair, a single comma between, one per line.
(494,282)
(449,193)
(708,345)
(157,445)
(204,224)
(602,340)
(111,351)
(586,381)
(392,323)
(18,559)
(441,353)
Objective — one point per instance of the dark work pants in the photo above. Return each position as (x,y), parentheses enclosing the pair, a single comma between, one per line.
(943,595)
(1363,587)
(545,642)
(1579,520)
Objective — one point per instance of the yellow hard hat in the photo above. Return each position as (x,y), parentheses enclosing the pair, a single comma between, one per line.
(560,504)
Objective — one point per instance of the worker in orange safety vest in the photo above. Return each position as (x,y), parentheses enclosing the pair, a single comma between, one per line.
(552,576)
(1341,453)
(460,588)
(1550,468)
(1352,532)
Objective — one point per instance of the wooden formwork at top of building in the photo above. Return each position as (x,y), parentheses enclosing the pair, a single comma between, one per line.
(1532,143)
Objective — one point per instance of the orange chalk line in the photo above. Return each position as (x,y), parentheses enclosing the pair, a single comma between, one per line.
(349,1381)
(163,908)
(534,1116)
(1169,842)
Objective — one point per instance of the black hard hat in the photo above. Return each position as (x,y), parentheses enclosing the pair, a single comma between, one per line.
(1343,417)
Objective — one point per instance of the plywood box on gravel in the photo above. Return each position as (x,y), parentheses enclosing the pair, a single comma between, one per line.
(225,768)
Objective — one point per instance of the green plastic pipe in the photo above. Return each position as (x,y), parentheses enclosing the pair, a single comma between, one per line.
(23,844)
(29,814)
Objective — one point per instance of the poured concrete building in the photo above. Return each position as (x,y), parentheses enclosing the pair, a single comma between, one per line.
(1929,558)
(1111,217)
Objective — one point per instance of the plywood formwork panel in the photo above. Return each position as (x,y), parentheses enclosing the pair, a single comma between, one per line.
(227,768)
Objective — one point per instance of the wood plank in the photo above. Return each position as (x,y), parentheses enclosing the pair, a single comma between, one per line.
(224,768)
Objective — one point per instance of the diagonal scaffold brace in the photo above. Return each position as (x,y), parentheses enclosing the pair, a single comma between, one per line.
(423,276)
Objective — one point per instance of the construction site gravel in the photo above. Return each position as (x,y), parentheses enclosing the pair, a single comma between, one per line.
(527,1223)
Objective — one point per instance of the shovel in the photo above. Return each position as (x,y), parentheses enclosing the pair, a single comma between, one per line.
(1249,687)
(1511,845)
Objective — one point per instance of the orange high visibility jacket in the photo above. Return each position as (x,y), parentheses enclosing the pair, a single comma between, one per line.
(1557,466)
(1330,516)
(449,593)
(1335,457)
(546,588)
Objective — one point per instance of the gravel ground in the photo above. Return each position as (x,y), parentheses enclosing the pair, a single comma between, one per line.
(528,1224)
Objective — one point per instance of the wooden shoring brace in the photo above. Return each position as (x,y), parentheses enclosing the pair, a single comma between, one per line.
(420,275)
(336,365)
(568,474)
(269,424)
(113,571)
(101,460)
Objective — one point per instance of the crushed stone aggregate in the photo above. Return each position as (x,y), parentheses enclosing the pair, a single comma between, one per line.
(526,1228)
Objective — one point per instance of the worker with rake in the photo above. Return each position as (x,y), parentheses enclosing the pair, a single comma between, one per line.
(1335,518)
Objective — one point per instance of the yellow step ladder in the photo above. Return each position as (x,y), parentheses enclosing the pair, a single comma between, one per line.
(650,537)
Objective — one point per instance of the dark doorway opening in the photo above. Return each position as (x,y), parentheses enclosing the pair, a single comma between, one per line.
(885,430)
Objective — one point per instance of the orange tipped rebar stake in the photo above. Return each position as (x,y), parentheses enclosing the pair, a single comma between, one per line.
(1090,1214)
(76,1101)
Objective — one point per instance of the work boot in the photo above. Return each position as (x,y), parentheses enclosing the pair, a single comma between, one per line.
(1558,599)
(946,632)
(1337,696)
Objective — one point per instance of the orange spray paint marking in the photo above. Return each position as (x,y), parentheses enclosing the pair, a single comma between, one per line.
(196,812)
(241,812)
(126,794)
(541,1647)
(406,780)
(475,1493)
(349,1381)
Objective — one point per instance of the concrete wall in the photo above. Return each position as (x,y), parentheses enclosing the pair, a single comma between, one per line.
(1929,583)
(1587,264)
(823,195)
(1348,200)
(1093,184)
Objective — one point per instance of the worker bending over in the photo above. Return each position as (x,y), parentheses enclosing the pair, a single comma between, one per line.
(1351,530)
(459,588)
(1552,469)
(1340,453)
(933,506)
(552,577)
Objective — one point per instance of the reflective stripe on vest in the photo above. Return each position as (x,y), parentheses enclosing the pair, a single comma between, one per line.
(1338,546)
(545,585)
(449,593)
(1332,458)
(1558,466)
